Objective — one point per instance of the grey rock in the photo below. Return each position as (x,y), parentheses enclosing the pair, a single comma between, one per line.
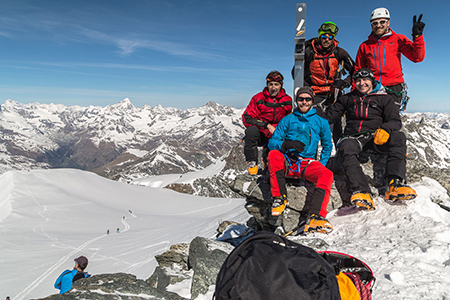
(114,286)
(177,254)
(162,277)
(206,257)
(173,267)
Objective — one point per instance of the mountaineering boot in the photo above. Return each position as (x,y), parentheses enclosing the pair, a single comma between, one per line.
(398,191)
(363,200)
(278,205)
(317,223)
(252,168)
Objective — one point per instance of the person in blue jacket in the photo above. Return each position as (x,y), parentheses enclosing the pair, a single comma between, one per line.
(294,146)
(68,277)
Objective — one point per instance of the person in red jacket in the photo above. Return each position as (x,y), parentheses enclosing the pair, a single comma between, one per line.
(382,51)
(261,117)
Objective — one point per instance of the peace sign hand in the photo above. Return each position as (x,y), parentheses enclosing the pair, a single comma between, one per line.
(418,26)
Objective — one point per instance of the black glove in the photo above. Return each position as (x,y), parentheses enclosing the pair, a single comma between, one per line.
(297,145)
(340,84)
(418,26)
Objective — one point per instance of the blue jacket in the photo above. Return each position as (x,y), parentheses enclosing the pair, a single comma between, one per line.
(65,280)
(309,129)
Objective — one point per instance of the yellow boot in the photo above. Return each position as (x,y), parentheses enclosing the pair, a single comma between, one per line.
(398,191)
(317,223)
(278,205)
(362,200)
(252,168)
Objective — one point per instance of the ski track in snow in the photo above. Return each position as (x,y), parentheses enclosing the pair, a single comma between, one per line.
(57,265)
(202,209)
(46,273)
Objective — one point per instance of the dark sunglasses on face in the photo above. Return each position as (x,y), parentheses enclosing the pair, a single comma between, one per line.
(301,99)
(324,37)
(375,23)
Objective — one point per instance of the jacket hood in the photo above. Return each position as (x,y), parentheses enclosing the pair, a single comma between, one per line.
(379,89)
(310,113)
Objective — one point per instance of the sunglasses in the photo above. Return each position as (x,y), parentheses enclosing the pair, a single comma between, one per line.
(329,27)
(375,23)
(324,37)
(301,99)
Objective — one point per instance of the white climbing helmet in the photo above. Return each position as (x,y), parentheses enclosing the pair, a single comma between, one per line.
(379,13)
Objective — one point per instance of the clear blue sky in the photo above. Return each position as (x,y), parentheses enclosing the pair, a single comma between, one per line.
(185,53)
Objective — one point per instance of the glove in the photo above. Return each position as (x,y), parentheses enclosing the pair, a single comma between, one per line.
(297,145)
(418,26)
(340,84)
(381,136)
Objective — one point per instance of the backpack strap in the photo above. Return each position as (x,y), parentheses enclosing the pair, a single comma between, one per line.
(61,276)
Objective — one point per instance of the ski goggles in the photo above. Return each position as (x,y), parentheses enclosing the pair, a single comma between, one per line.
(276,78)
(381,22)
(363,74)
(329,28)
(324,37)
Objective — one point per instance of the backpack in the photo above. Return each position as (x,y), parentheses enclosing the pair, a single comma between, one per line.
(360,273)
(267,266)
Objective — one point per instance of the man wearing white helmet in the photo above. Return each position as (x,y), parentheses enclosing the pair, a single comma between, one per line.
(381,52)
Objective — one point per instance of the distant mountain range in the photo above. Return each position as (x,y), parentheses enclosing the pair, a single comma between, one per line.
(119,141)
(126,143)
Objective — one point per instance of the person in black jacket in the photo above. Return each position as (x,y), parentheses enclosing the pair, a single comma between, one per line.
(373,121)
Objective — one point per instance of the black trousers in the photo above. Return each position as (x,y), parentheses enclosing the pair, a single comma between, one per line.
(252,139)
(350,148)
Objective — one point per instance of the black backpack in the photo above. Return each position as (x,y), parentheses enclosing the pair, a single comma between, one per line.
(267,266)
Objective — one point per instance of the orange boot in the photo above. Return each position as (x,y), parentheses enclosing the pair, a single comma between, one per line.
(252,168)
(363,200)
(398,191)
(316,223)
(278,205)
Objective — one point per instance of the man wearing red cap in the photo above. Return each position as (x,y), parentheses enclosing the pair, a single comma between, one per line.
(68,277)
(261,117)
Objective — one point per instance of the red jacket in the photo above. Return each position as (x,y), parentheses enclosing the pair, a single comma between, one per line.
(382,56)
(264,109)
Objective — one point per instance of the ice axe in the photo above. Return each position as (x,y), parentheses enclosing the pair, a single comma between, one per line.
(338,76)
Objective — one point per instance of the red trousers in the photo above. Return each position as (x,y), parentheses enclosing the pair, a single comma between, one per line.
(315,172)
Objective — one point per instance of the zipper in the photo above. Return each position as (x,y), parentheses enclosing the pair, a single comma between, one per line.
(379,57)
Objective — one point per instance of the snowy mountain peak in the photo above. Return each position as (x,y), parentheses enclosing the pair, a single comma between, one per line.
(125,104)
(93,137)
